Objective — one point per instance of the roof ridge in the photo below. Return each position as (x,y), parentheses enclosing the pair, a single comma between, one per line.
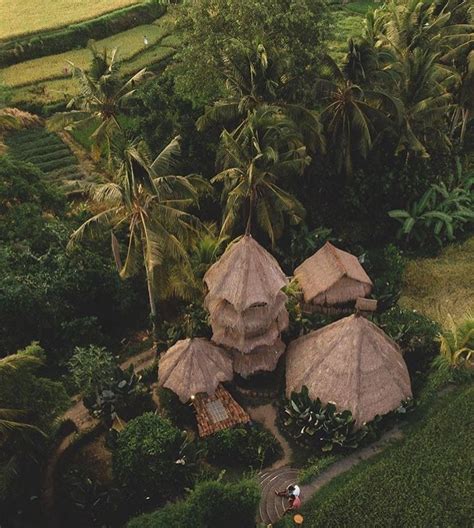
(335,253)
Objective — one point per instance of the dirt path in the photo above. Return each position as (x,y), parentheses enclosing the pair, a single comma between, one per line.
(272,508)
(84,422)
(266,415)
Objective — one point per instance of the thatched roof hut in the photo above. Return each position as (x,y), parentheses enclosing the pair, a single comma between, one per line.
(192,366)
(332,277)
(264,358)
(246,275)
(246,305)
(352,363)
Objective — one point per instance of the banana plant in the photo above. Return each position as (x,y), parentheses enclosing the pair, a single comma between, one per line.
(439,214)
(321,426)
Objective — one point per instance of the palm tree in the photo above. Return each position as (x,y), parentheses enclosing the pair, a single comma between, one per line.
(464,107)
(152,205)
(263,150)
(353,117)
(101,100)
(257,76)
(11,420)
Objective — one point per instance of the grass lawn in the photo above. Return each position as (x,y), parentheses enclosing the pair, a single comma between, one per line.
(346,25)
(129,44)
(18,17)
(425,480)
(441,285)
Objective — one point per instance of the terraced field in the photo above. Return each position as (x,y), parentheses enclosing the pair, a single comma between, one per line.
(40,15)
(129,43)
(49,153)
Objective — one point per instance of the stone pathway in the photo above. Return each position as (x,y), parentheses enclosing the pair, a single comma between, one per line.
(272,508)
(266,415)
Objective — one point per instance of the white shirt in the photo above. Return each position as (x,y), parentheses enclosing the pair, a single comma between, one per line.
(296,492)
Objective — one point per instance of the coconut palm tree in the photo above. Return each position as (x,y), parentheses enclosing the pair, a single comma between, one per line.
(257,76)
(103,94)
(151,205)
(353,117)
(12,420)
(255,158)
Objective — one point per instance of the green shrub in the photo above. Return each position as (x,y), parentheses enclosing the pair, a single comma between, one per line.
(48,166)
(425,480)
(78,35)
(251,446)
(320,427)
(211,504)
(416,335)
(179,413)
(145,460)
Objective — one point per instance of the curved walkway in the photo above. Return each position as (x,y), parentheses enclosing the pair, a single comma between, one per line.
(272,507)
(84,422)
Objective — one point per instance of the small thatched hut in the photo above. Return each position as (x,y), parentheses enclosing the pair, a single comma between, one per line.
(352,363)
(246,305)
(332,280)
(192,366)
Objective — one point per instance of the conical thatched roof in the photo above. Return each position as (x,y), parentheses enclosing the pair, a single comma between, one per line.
(332,276)
(264,358)
(246,275)
(352,363)
(192,366)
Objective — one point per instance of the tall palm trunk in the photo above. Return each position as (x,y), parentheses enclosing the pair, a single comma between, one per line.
(151,300)
(248,227)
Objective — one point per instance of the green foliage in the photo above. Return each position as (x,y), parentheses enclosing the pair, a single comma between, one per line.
(315,466)
(240,446)
(92,368)
(415,334)
(440,215)
(455,361)
(297,28)
(210,504)
(60,300)
(319,426)
(78,35)
(385,267)
(145,461)
(180,414)
(407,484)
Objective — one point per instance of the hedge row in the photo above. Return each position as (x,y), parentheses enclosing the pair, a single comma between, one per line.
(426,480)
(78,35)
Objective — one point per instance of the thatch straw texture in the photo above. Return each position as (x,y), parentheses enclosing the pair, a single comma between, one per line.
(192,366)
(261,359)
(332,276)
(246,275)
(253,321)
(352,363)
(366,305)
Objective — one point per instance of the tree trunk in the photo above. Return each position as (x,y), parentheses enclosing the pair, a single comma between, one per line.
(248,227)
(151,300)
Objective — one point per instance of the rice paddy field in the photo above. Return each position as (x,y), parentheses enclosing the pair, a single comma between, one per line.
(129,44)
(442,285)
(40,15)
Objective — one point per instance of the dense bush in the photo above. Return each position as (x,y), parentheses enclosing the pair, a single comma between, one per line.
(60,299)
(416,335)
(320,427)
(179,413)
(145,460)
(425,480)
(251,446)
(78,35)
(211,504)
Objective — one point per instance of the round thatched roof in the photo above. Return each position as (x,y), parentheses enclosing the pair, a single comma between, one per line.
(332,276)
(192,366)
(352,363)
(263,358)
(246,275)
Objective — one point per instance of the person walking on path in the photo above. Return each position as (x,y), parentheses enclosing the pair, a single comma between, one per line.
(145,40)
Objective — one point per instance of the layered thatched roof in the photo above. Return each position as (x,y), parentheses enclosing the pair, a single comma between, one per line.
(192,366)
(246,275)
(332,276)
(352,363)
(264,358)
